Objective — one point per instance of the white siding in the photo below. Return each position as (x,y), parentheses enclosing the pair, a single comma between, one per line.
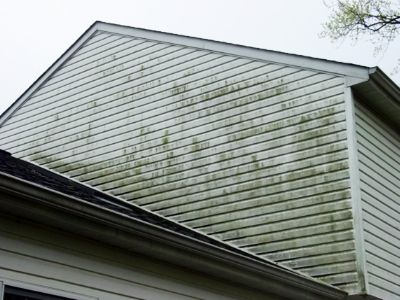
(249,151)
(379,156)
(34,258)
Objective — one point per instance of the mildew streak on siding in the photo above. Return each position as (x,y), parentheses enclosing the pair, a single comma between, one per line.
(111,111)
(251,152)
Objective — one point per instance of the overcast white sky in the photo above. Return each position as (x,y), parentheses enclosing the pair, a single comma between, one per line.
(35,33)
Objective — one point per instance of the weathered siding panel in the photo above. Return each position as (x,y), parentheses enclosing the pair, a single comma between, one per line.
(379,156)
(39,258)
(249,151)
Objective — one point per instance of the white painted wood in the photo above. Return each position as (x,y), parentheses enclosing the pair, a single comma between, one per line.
(389,172)
(383,231)
(22,99)
(347,281)
(385,266)
(372,203)
(387,248)
(332,269)
(193,137)
(315,250)
(104,50)
(143,53)
(252,171)
(96,41)
(250,151)
(252,225)
(344,233)
(281,178)
(115,112)
(243,51)
(379,148)
(255,206)
(43,262)
(96,38)
(100,47)
(73,111)
(138,57)
(391,288)
(98,82)
(101,64)
(379,198)
(379,253)
(258,196)
(240,153)
(377,290)
(258,238)
(355,191)
(389,152)
(141,109)
(321,260)
(148,78)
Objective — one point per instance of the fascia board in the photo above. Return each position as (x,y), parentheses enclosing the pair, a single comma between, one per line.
(381,95)
(386,84)
(43,78)
(47,206)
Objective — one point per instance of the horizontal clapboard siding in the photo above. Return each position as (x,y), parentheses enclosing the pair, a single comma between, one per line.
(379,156)
(251,152)
(79,268)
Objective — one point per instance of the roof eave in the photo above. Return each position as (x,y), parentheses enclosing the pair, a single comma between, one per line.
(380,94)
(50,208)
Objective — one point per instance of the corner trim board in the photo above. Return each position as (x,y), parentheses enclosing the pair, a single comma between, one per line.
(355,190)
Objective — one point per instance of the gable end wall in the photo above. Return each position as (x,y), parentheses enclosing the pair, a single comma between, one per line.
(251,152)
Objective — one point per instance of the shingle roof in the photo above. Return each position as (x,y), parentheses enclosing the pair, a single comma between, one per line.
(35,174)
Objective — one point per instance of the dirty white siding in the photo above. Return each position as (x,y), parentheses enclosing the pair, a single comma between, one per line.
(60,264)
(249,151)
(379,163)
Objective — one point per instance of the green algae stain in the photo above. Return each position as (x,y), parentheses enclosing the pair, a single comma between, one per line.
(179,89)
(165,139)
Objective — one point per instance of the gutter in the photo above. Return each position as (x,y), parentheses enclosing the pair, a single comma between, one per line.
(74,215)
(385,83)
(381,95)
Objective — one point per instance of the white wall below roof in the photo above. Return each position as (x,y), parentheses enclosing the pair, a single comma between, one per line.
(35,258)
(379,163)
(23,29)
(252,152)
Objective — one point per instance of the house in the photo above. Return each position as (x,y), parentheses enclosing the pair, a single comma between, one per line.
(61,240)
(291,158)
